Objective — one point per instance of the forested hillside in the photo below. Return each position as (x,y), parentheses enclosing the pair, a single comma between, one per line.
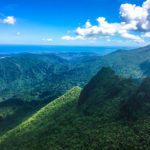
(111,113)
(46,76)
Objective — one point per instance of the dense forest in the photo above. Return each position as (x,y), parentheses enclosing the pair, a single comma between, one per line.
(110,112)
(46,76)
(105,102)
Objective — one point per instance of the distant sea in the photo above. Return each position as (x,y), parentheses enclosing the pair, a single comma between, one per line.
(13,49)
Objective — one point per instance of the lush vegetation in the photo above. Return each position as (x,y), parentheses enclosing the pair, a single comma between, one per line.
(30,81)
(42,76)
(138,105)
(110,113)
(14,111)
(106,86)
(43,119)
(47,76)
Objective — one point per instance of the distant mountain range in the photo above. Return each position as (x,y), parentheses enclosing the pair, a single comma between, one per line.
(41,75)
(50,75)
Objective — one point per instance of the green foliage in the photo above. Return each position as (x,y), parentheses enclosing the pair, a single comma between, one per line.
(42,119)
(137,105)
(14,111)
(29,76)
(29,81)
(42,76)
(106,86)
(61,125)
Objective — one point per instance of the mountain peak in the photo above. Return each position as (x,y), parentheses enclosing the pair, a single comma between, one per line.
(98,81)
(105,86)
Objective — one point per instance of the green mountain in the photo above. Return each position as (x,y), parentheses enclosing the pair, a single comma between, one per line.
(43,76)
(21,73)
(102,117)
(131,63)
(47,76)
(104,88)
(30,81)
(41,121)
(33,80)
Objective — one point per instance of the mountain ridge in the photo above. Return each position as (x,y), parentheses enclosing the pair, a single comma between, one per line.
(99,127)
(41,78)
(49,69)
(49,110)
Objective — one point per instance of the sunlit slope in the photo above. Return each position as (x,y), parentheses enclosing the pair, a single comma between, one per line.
(36,125)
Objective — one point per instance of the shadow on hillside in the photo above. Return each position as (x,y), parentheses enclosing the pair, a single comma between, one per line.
(145,67)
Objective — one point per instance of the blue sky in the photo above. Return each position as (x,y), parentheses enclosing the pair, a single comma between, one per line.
(62,22)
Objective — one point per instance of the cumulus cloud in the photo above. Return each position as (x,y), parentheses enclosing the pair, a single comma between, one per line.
(135,22)
(139,15)
(9,20)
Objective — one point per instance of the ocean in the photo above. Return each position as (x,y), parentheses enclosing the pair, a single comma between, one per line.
(13,49)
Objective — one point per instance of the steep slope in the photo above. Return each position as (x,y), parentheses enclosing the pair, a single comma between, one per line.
(92,123)
(38,123)
(138,105)
(104,88)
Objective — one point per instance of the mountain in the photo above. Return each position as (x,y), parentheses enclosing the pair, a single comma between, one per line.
(129,63)
(106,86)
(91,120)
(30,81)
(41,76)
(33,80)
(41,121)
(22,72)
(47,76)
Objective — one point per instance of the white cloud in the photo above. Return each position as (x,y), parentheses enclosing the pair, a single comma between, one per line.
(140,15)
(107,29)
(9,20)
(135,21)
(72,38)
(47,39)
(147,35)
(132,37)
(88,24)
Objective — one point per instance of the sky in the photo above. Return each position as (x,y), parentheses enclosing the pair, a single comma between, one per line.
(75,22)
